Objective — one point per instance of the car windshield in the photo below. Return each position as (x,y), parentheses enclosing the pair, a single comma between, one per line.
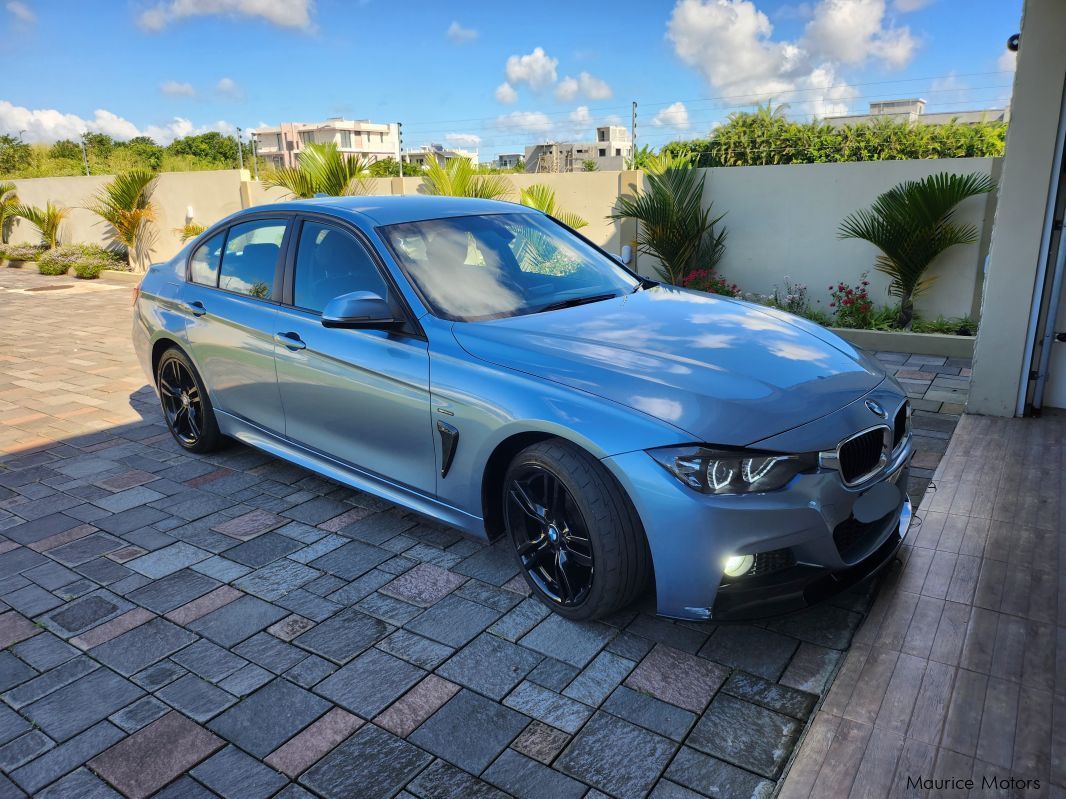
(468,268)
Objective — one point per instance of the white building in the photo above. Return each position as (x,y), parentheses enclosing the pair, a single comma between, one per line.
(439,153)
(609,152)
(280,146)
(913,110)
(508,160)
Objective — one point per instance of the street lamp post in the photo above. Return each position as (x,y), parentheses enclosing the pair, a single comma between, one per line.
(84,155)
(240,154)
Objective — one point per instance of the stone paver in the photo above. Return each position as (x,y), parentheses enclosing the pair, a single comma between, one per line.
(198,626)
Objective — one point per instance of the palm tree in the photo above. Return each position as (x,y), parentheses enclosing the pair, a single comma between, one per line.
(459,178)
(542,198)
(911,224)
(190,230)
(8,203)
(47,220)
(126,204)
(322,169)
(674,226)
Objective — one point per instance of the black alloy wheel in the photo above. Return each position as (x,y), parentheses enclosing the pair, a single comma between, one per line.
(185,404)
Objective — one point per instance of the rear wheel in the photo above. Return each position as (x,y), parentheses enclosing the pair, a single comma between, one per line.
(578,539)
(185,403)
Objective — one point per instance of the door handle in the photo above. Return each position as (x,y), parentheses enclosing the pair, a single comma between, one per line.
(195,308)
(290,340)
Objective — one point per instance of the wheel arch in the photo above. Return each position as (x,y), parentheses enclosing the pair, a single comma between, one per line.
(495,471)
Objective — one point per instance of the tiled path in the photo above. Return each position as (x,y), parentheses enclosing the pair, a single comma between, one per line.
(959,672)
(235,626)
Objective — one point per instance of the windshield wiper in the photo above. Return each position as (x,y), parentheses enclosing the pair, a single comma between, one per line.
(574,301)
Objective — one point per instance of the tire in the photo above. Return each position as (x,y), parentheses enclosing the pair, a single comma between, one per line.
(595,503)
(176,379)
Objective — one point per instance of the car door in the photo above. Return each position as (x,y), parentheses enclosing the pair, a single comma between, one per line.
(230,301)
(359,396)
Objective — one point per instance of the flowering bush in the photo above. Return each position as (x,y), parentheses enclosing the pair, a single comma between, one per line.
(88,260)
(851,305)
(792,298)
(20,252)
(707,280)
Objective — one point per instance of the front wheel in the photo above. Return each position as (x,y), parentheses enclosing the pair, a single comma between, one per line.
(578,539)
(185,403)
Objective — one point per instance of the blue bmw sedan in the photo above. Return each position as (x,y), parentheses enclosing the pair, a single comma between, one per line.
(481,364)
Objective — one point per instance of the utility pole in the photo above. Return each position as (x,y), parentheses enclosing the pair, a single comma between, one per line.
(255,155)
(633,144)
(240,154)
(84,155)
(399,146)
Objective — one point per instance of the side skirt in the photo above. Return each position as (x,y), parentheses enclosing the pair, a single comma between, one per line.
(255,436)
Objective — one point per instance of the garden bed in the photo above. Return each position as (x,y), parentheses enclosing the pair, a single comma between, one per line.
(907,341)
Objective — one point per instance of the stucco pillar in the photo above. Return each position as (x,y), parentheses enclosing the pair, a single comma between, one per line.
(1017,236)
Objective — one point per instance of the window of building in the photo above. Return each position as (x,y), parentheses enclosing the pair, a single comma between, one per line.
(307,137)
(617,150)
(603,152)
(331,262)
(346,139)
(251,257)
(603,135)
(204,264)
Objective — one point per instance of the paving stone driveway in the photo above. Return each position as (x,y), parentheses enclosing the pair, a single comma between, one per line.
(232,625)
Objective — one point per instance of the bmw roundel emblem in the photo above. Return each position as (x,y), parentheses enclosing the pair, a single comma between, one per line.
(876,408)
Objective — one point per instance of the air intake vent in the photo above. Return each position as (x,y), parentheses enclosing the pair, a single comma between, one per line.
(899,425)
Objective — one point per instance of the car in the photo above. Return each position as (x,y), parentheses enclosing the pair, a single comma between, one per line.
(481,364)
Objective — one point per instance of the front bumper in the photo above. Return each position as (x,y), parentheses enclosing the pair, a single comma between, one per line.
(691,534)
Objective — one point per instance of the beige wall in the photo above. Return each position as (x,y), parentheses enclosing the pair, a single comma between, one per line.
(783,220)
(1018,235)
(212,196)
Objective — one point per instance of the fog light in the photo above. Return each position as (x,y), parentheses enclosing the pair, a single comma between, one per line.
(736,565)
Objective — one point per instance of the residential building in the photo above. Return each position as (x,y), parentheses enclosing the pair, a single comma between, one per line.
(913,110)
(609,152)
(439,153)
(280,146)
(508,160)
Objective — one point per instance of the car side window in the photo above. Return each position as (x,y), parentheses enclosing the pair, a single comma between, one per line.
(251,257)
(204,263)
(331,262)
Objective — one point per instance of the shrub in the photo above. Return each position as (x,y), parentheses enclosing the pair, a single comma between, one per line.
(962,326)
(87,260)
(53,264)
(706,280)
(851,305)
(792,298)
(20,252)
(88,270)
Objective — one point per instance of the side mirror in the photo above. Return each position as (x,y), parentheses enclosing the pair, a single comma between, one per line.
(359,310)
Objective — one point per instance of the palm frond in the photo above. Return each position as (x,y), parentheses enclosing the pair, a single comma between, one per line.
(8,202)
(47,220)
(126,204)
(459,178)
(322,169)
(542,197)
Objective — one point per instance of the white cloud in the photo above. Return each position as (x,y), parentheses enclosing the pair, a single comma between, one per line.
(674,115)
(536,69)
(228,87)
(850,31)
(460,35)
(49,125)
(906,6)
(177,89)
(467,140)
(1007,61)
(949,89)
(21,12)
(534,123)
(581,116)
(731,43)
(283,13)
(506,94)
(588,86)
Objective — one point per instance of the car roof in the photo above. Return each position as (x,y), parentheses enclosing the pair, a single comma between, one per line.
(390,210)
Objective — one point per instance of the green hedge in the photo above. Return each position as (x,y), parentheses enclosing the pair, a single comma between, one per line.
(20,252)
(762,139)
(87,261)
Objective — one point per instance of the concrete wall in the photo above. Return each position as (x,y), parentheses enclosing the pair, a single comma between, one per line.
(782,220)
(212,195)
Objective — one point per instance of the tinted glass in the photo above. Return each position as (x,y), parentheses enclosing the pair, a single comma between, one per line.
(251,257)
(482,267)
(204,265)
(329,263)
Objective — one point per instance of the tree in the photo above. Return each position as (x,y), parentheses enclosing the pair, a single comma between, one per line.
(65,148)
(212,146)
(641,157)
(8,204)
(589,165)
(47,220)
(126,204)
(14,154)
(542,198)
(146,151)
(322,169)
(911,224)
(459,178)
(98,145)
(674,227)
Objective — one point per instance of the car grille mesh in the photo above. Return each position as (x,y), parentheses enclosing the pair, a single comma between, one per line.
(861,455)
(773,561)
(899,425)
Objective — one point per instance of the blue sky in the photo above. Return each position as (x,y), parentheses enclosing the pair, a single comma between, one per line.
(490,75)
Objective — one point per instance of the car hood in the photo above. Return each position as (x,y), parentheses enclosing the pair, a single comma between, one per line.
(724,371)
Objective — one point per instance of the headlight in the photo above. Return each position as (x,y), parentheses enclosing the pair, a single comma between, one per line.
(720,471)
